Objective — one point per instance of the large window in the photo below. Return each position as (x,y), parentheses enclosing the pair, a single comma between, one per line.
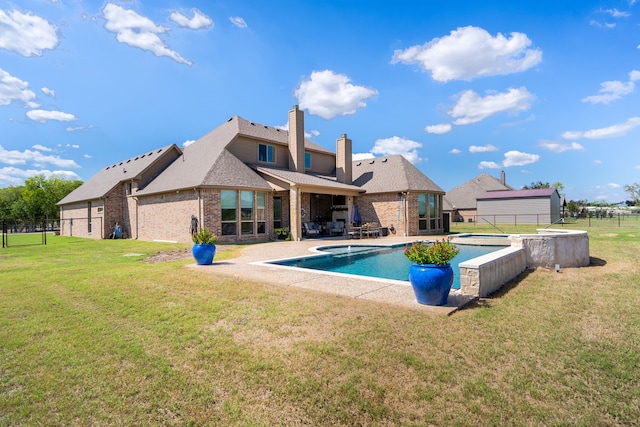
(266,153)
(277,212)
(422,212)
(246,212)
(229,204)
(428,211)
(261,212)
(433,211)
(251,207)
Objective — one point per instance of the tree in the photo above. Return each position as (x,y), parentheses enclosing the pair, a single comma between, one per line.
(634,192)
(41,194)
(536,185)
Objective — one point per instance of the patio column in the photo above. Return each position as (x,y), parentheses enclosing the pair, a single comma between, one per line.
(294,212)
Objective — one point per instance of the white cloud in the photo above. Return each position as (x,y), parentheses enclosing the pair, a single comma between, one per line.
(26,34)
(238,22)
(15,176)
(362,156)
(605,25)
(454,151)
(44,115)
(12,88)
(482,148)
(87,156)
(312,133)
(198,21)
(617,14)
(138,31)
(15,157)
(188,142)
(472,108)
(613,185)
(78,128)
(41,148)
(614,90)
(558,147)
(470,52)
(488,165)
(398,145)
(327,94)
(517,158)
(597,162)
(48,92)
(608,132)
(439,128)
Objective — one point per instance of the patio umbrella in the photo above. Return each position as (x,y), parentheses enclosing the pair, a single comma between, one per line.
(355,215)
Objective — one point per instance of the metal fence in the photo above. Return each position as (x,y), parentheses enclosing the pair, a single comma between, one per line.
(542,220)
(27,233)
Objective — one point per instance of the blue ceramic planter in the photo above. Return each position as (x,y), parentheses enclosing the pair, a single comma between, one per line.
(203,254)
(431,283)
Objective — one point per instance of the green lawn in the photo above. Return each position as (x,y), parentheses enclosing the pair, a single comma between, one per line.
(89,336)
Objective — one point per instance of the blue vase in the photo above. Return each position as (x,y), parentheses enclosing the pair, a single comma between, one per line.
(203,254)
(431,283)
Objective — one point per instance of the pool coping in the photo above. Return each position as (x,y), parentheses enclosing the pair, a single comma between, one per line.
(252,265)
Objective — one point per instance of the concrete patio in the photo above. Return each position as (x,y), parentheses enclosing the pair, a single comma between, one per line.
(250,266)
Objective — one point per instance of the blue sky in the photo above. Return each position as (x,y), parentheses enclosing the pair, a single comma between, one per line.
(544,90)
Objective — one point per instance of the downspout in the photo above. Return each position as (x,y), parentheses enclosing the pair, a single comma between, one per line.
(137,223)
(399,213)
(406,207)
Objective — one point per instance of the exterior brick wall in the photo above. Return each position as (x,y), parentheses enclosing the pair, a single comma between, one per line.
(167,216)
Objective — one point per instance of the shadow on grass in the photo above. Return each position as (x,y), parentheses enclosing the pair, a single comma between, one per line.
(597,262)
(485,302)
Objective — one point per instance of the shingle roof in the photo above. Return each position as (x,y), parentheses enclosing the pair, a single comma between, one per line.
(464,196)
(391,174)
(517,194)
(299,178)
(206,162)
(106,179)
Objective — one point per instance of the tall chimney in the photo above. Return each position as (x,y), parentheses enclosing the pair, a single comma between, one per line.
(502,178)
(343,160)
(296,140)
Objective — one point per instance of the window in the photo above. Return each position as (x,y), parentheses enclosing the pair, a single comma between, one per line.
(261,213)
(277,212)
(89,217)
(246,212)
(307,160)
(229,203)
(265,153)
(422,211)
(433,208)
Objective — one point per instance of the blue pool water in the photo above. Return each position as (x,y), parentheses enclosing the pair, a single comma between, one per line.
(378,261)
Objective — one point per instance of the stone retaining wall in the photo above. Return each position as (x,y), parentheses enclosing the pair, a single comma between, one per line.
(484,275)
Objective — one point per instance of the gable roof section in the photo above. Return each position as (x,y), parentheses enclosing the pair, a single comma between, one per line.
(391,174)
(106,179)
(517,194)
(464,196)
(271,134)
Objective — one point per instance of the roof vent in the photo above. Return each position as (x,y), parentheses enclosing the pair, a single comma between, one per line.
(372,162)
(136,158)
(107,168)
(384,160)
(253,124)
(159,150)
(128,160)
(230,119)
(358,164)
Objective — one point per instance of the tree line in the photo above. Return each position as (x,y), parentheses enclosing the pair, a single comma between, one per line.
(35,201)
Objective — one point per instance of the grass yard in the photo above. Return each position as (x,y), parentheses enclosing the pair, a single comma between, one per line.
(89,336)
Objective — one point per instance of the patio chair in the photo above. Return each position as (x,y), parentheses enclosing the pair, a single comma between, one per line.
(312,229)
(372,230)
(337,228)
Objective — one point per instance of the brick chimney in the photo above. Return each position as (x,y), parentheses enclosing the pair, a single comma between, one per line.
(296,140)
(343,160)
(503,180)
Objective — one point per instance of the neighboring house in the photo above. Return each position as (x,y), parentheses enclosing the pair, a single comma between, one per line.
(461,201)
(541,206)
(244,180)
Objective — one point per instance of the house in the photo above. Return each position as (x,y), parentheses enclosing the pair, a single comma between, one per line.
(460,202)
(244,180)
(540,206)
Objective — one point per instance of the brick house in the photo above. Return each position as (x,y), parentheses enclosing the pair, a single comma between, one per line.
(243,180)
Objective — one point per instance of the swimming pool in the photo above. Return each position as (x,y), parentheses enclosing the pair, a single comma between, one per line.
(386,262)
